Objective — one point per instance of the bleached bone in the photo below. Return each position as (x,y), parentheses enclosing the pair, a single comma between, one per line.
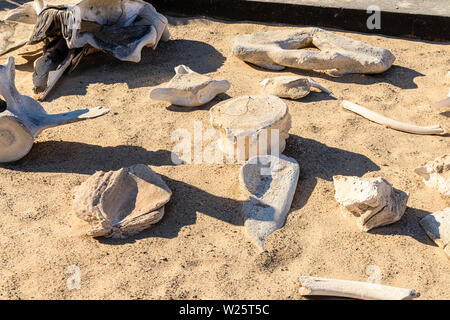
(292,87)
(24,118)
(11,36)
(390,123)
(337,54)
(251,125)
(315,286)
(189,89)
(119,27)
(26,13)
(121,203)
(437,227)
(444,102)
(270,182)
(436,174)
(373,201)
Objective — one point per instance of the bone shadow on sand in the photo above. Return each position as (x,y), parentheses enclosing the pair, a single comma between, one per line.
(156,67)
(219,98)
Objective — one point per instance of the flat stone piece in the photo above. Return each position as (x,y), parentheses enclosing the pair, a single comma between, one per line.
(436,174)
(336,54)
(189,89)
(270,182)
(252,125)
(437,227)
(122,202)
(373,201)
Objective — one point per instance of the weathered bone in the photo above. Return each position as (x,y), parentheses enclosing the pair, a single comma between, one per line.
(437,227)
(444,102)
(337,54)
(436,174)
(390,123)
(292,87)
(270,182)
(252,125)
(315,286)
(123,202)
(10,38)
(26,13)
(24,118)
(373,201)
(189,88)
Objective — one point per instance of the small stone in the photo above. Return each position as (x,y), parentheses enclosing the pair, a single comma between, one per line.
(189,89)
(437,227)
(373,201)
(123,202)
(436,174)
(252,125)
(270,182)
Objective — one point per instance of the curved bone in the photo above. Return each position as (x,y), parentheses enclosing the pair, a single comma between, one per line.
(337,54)
(189,89)
(24,118)
(390,123)
(315,286)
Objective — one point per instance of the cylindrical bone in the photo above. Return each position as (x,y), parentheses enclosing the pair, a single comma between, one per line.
(252,125)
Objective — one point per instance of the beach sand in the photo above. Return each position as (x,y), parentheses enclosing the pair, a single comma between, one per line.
(200,249)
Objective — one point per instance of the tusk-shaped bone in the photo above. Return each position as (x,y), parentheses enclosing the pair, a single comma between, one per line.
(314,286)
(390,123)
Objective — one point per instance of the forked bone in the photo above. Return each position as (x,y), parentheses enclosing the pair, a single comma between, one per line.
(337,54)
(24,118)
(189,89)
(315,286)
(390,123)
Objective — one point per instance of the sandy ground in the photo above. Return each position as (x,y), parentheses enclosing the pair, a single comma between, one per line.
(200,249)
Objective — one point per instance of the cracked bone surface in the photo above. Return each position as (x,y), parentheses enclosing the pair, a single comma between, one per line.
(251,125)
(291,87)
(337,55)
(315,286)
(373,201)
(436,174)
(121,28)
(270,182)
(437,227)
(24,118)
(189,89)
(121,203)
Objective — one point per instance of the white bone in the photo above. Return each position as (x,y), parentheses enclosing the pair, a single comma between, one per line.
(315,286)
(24,118)
(437,227)
(436,174)
(390,123)
(189,89)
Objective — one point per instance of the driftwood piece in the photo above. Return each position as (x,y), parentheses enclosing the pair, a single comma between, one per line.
(315,286)
(390,123)
(24,118)
(336,54)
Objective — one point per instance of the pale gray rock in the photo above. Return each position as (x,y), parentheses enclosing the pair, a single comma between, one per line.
(251,125)
(336,54)
(123,202)
(372,201)
(436,174)
(24,118)
(189,89)
(437,227)
(270,182)
(292,87)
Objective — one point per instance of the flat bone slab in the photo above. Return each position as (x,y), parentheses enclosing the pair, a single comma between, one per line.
(11,35)
(270,182)
(123,202)
(291,87)
(437,227)
(189,89)
(436,174)
(373,201)
(247,125)
(337,55)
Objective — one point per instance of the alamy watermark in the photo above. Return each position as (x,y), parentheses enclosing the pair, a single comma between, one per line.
(374,20)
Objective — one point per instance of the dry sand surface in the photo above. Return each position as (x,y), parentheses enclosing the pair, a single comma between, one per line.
(200,249)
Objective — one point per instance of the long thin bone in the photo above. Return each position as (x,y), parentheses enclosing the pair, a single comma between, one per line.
(390,123)
(314,286)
